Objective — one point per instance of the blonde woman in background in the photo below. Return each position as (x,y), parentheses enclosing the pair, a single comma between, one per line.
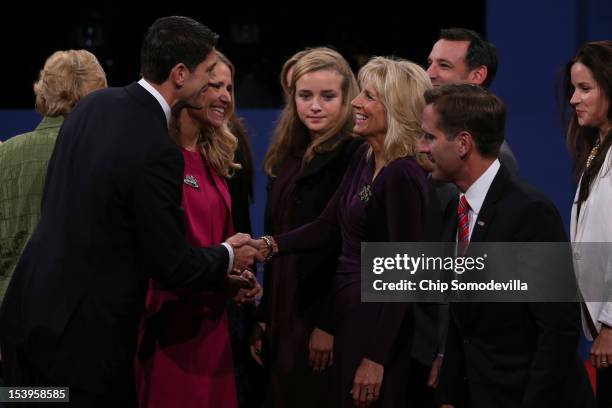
(382,199)
(67,77)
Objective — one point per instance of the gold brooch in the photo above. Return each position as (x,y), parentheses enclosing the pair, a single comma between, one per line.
(592,155)
(365,193)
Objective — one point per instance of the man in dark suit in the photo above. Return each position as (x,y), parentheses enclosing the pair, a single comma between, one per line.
(111,219)
(459,56)
(498,354)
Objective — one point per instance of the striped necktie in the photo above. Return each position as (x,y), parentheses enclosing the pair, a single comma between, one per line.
(463,225)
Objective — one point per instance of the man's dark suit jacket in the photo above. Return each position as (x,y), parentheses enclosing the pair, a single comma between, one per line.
(513,354)
(111,219)
(431,318)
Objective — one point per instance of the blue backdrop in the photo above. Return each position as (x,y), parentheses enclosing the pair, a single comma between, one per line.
(534,40)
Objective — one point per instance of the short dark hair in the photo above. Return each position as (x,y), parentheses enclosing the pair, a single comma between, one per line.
(471,108)
(480,52)
(172,40)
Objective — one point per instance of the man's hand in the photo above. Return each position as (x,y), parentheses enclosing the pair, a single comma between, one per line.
(320,350)
(234,282)
(239,239)
(248,295)
(256,342)
(245,251)
(434,373)
(601,351)
(367,382)
(246,256)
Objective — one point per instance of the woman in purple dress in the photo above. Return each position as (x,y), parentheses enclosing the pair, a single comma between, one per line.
(382,199)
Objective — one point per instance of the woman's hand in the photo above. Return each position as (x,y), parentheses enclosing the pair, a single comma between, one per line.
(257,342)
(601,351)
(320,350)
(367,382)
(266,246)
(434,373)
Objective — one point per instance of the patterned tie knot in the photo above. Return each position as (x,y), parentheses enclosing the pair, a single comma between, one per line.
(463,225)
(464,207)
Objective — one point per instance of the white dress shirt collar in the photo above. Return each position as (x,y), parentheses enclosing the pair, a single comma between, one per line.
(476,193)
(158,96)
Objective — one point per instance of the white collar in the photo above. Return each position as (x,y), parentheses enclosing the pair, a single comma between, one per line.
(475,195)
(164,104)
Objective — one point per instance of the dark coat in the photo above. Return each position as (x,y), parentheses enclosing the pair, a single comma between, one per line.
(297,202)
(513,354)
(111,219)
(298,292)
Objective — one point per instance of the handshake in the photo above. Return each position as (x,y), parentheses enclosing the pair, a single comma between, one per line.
(247,251)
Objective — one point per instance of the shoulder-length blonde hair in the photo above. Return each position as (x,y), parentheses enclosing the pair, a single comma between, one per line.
(400,85)
(217,145)
(290,134)
(66,78)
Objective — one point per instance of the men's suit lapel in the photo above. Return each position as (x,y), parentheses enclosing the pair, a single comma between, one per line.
(483,223)
(487,211)
(449,233)
(465,313)
(147,100)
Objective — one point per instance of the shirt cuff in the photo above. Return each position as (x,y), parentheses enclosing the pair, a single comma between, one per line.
(605,314)
(231,256)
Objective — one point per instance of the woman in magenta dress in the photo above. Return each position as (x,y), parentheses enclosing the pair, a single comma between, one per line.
(184,357)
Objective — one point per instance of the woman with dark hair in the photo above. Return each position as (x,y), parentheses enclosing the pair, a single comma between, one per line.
(588,88)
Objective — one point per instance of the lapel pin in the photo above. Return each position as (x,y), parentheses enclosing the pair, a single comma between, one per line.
(191,182)
(365,193)
(481,223)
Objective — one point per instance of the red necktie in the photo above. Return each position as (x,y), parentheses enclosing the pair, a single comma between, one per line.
(463,226)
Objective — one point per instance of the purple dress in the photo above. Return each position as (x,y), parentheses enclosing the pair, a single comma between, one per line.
(388,209)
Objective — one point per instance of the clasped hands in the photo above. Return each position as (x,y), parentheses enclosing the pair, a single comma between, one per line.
(241,282)
(248,250)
